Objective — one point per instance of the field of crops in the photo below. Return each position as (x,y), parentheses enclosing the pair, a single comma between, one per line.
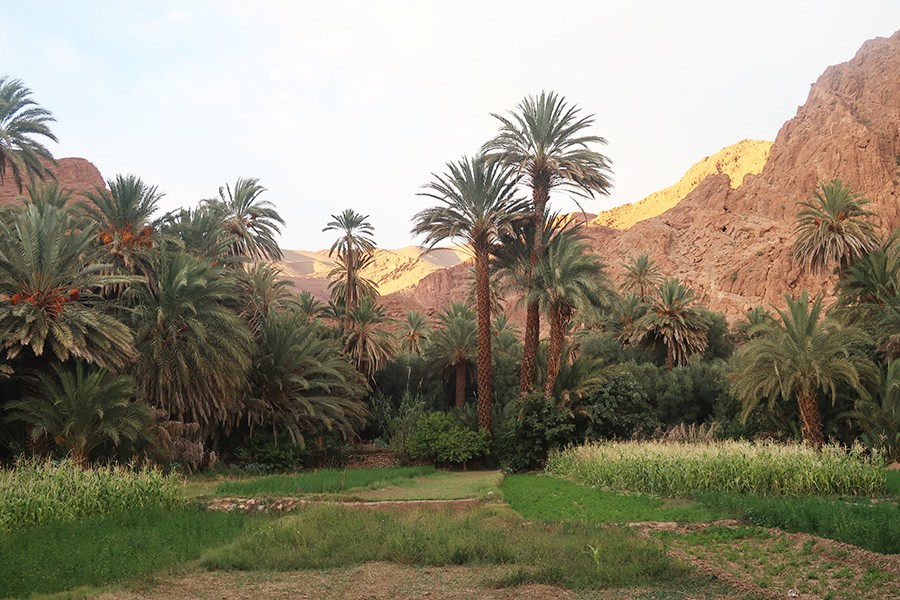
(673,469)
(37,493)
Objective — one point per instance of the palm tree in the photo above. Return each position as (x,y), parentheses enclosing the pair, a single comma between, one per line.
(477,203)
(50,278)
(546,142)
(353,248)
(263,292)
(414,332)
(570,278)
(309,307)
(194,349)
(642,276)
(124,216)
(833,228)
(21,119)
(251,224)
(674,322)
(798,357)
(201,232)
(347,282)
(453,346)
(367,342)
(83,409)
(300,383)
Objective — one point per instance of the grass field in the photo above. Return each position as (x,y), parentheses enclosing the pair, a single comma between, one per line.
(549,531)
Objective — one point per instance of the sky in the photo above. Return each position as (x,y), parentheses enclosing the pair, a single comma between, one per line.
(337,104)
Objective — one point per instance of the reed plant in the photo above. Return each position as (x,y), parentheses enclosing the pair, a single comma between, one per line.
(680,469)
(39,492)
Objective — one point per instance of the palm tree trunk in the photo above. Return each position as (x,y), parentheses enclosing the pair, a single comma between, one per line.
(670,354)
(483,311)
(810,422)
(529,353)
(554,352)
(460,384)
(540,194)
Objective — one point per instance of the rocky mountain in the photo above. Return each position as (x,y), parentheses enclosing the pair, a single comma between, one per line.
(733,242)
(747,157)
(75,174)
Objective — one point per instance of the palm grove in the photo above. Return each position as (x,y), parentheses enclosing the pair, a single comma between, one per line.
(173,337)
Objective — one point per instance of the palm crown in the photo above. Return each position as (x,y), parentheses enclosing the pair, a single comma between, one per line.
(21,119)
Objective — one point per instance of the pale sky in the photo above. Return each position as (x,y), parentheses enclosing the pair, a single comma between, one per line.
(336,104)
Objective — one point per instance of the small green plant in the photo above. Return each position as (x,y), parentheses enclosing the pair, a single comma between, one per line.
(321,482)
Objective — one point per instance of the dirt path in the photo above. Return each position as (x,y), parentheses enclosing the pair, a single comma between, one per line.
(287,504)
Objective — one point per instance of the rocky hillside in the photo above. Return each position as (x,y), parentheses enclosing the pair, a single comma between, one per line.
(747,157)
(76,174)
(734,243)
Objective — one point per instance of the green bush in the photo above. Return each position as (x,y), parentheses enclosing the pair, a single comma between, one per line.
(441,437)
(619,410)
(529,429)
(37,493)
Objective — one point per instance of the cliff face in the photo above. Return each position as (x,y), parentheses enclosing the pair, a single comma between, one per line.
(75,174)
(747,157)
(733,242)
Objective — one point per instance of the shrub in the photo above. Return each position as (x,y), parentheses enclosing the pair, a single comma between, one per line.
(621,409)
(672,469)
(529,429)
(441,437)
(36,493)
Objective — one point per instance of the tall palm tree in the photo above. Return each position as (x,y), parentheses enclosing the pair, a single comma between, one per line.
(547,142)
(642,276)
(414,333)
(263,291)
(797,358)
(82,409)
(21,119)
(300,383)
(347,282)
(879,416)
(673,321)
(354,246)
(194,349)
(201,232)
(367,340)
(50,278)
(570,278)
(833,228)
(477,203)
(453,346)
(251,224)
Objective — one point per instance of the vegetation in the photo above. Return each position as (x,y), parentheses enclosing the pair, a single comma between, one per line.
(678,469)
(21,120)
(319,482)
(38,493)
(328,537)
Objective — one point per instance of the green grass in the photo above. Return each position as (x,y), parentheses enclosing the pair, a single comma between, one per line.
(100,550)
(442,485)
(573,555)
(322,481)
(874,526)
(892,481)
(550,499)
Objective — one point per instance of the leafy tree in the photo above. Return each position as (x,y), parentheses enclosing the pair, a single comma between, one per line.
(300,383)
(21,120)
(194,349)
(833,228)
(50,278)
(546,142)
(251,224)
(124,216)
(353,248)
(798,357)
(570,278)
(879,415)
(477,202)
(367,341)
(82,409)
(674,322)
(642,277)
(414,333)
(453,346)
